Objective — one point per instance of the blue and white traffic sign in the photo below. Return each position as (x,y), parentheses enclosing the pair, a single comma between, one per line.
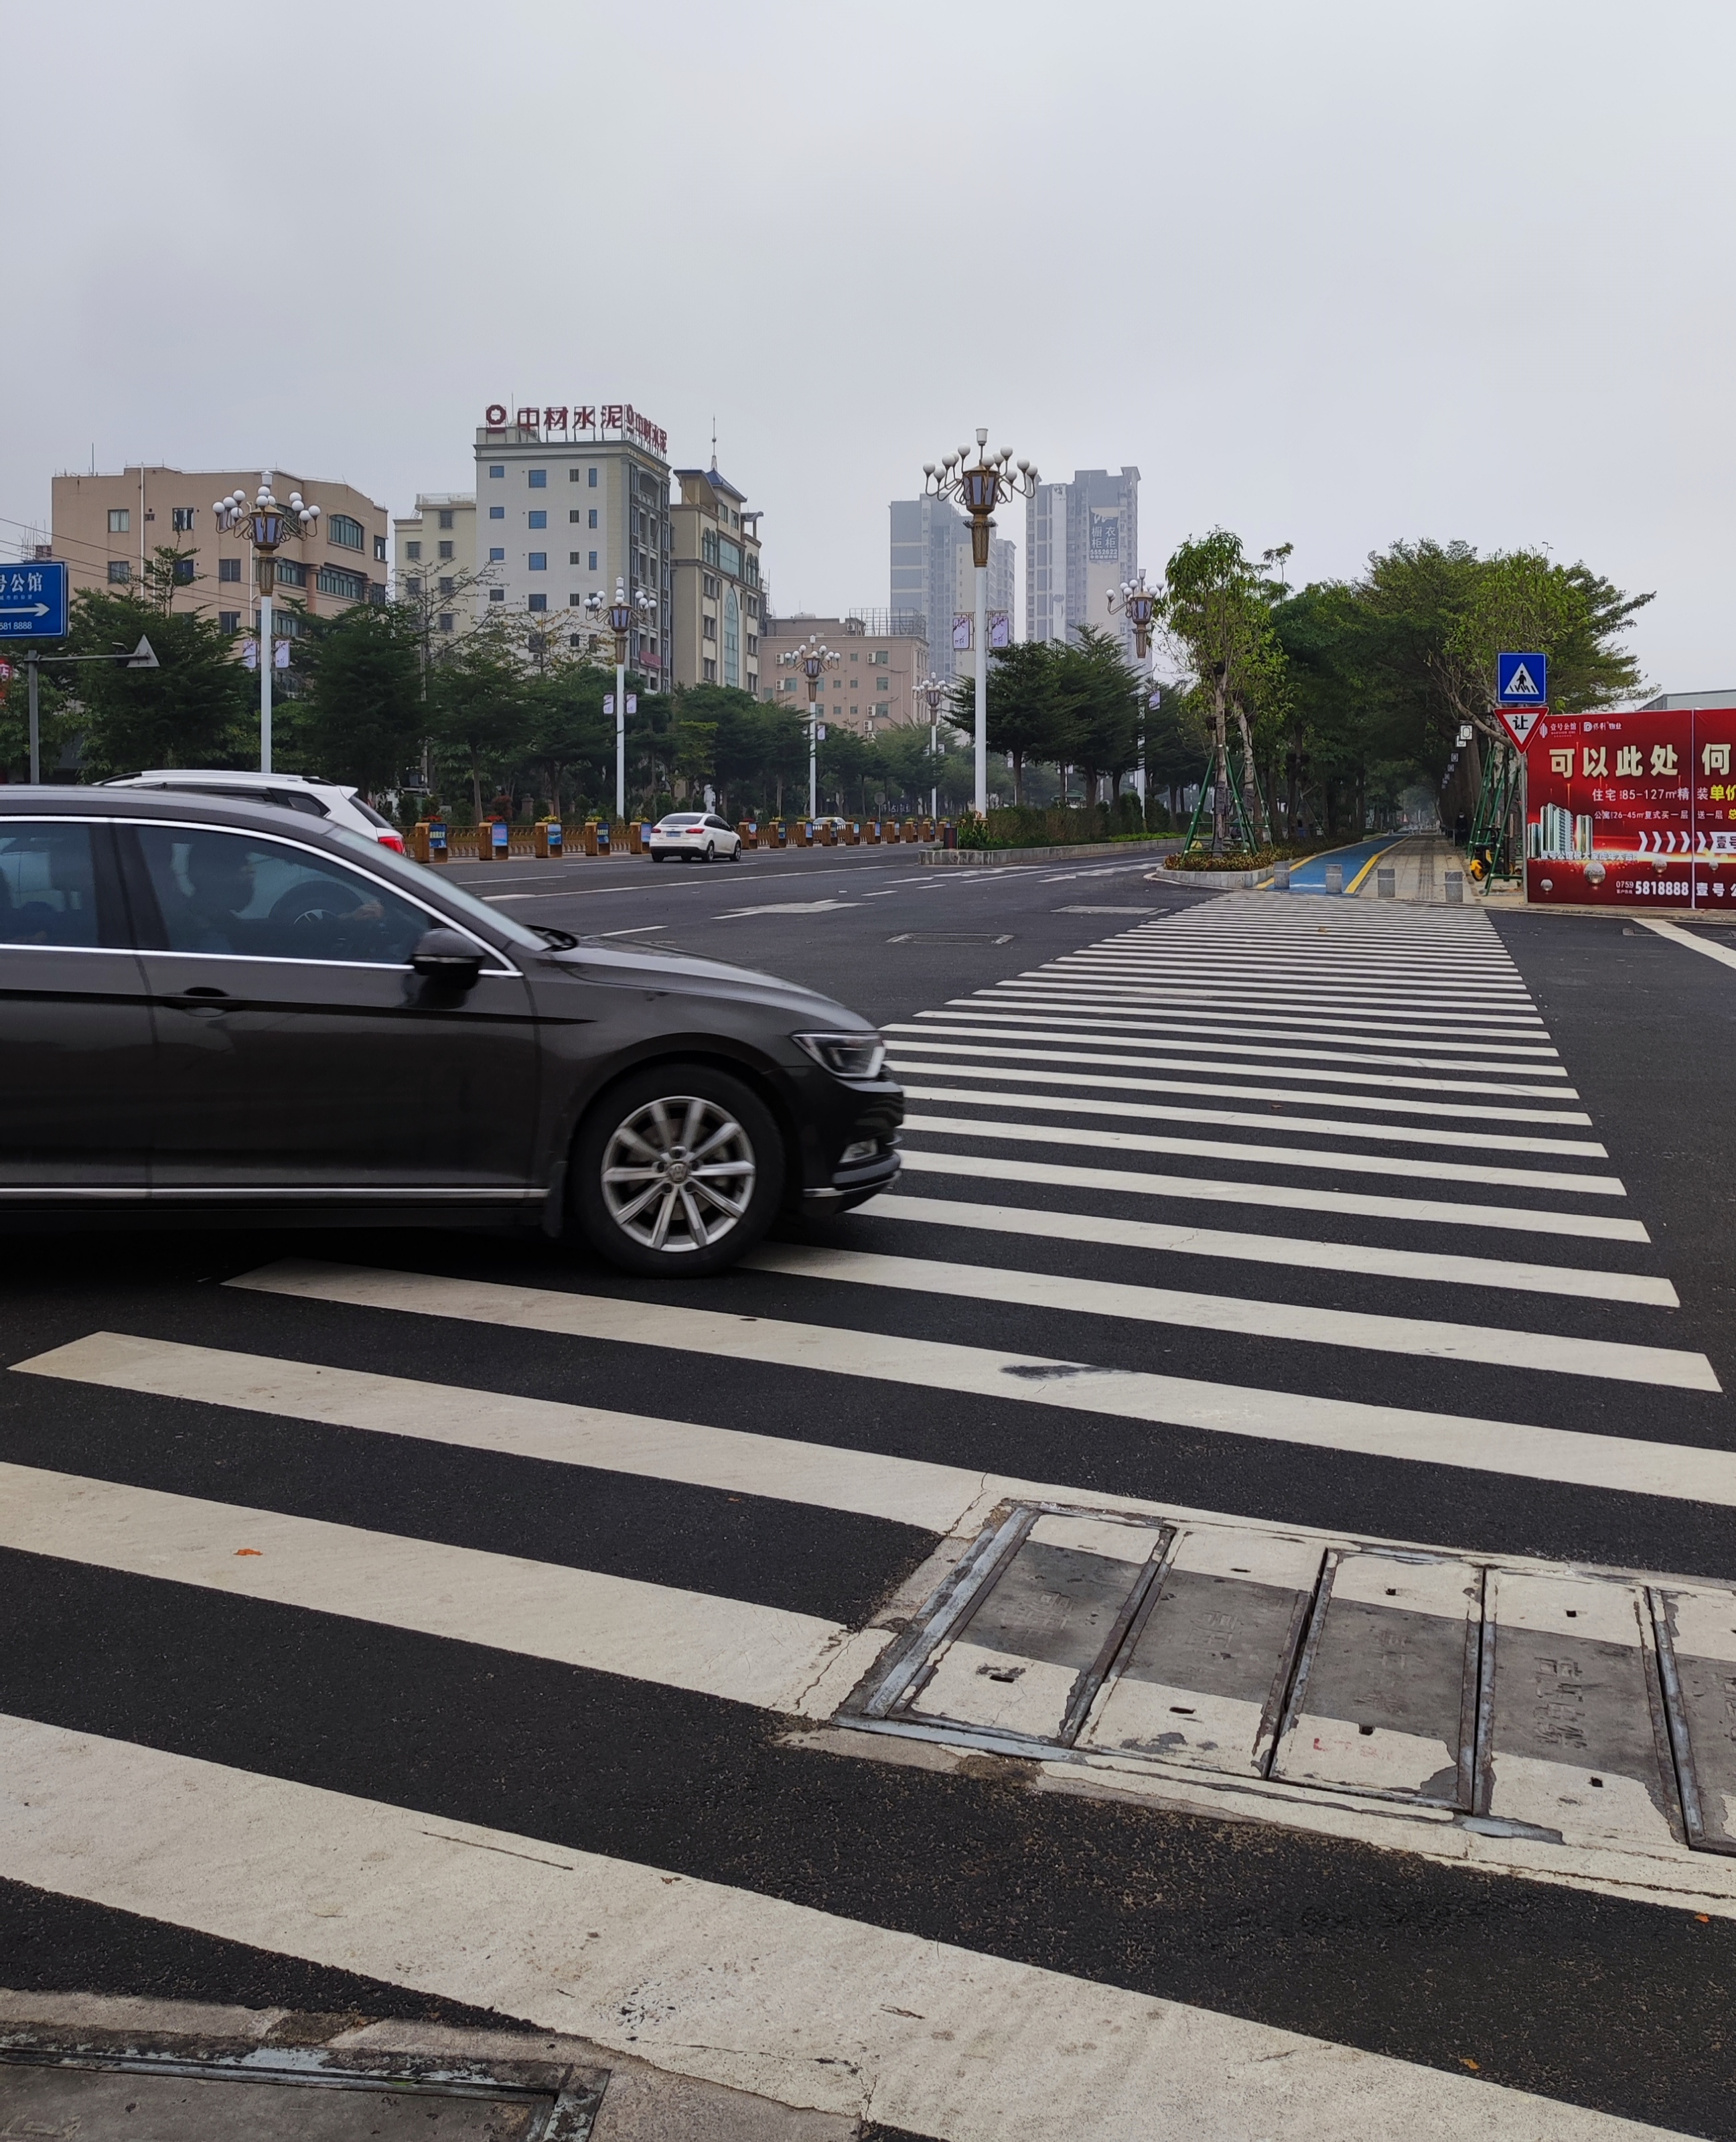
(33,601)
(1522,680)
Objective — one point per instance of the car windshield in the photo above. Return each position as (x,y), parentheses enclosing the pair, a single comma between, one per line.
(372,815)
(411,875)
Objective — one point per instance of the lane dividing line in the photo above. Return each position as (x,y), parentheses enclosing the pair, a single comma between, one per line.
(779,2000)
(1678,936)
(765,1656)
(1424,1338)
(1513,1449)
(1304,1253)
(1520,1219)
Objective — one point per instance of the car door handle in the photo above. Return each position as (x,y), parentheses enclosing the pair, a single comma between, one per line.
(206,1003)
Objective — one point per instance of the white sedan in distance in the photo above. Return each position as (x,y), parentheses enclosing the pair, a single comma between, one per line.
(695,836)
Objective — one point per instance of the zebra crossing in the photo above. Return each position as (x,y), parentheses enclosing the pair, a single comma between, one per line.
(1338,1247)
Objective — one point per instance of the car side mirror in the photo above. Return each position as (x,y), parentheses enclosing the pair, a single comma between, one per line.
(446,957)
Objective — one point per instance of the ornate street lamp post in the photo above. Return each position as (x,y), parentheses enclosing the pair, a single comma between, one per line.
(933,692)
(813,658)
(266,524)
(1138,605)
(623,616)
(980,488)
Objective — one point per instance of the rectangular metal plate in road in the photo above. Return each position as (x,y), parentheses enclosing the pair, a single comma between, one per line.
(1201,1681)
(1027,1657)
(1385,1694)
(1573,1706)
(1695,1633)
(1570,1737)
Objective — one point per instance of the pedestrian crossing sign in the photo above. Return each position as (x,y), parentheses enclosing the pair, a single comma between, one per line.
(1522,680)
(1521,723)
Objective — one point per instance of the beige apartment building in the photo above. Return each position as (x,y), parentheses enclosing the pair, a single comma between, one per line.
(107,527)
(884,657)
(716,594)
(435,559)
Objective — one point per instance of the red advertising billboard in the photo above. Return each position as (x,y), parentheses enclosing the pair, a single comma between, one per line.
(1632,809)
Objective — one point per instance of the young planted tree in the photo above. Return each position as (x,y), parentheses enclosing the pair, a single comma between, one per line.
(1216,612)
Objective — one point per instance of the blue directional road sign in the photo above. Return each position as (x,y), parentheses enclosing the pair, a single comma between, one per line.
(33,601)
(1522,680)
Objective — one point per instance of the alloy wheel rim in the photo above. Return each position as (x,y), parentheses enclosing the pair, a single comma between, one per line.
(679,1174)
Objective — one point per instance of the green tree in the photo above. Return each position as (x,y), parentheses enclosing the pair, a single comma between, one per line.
(1216,610)
(361,716)
(1025,716)
(196,709)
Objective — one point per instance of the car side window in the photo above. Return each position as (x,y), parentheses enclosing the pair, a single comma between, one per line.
(261,899)
(47,885)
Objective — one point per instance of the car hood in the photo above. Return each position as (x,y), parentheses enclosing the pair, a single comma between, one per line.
(649,967)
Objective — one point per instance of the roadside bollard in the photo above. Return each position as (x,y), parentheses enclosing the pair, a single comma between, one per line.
(749,833)
(1334,877)
(1280,877)
(826,834)
(910,829)
(1386,883)
(1456,888)
(871,833)
(419,840)
(603,842)
(852,834)
(436,840)
(635,838)
(804,834)
(590,837)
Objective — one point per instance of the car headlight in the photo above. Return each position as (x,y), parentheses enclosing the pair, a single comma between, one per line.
(845,1055)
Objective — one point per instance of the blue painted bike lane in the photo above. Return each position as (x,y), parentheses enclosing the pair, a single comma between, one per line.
(1357,859)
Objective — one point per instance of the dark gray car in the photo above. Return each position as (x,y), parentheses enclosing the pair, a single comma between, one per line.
(217,1009)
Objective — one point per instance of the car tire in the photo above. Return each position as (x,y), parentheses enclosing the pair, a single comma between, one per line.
(627,1189)
(711,852)
(655,857)
(735,853)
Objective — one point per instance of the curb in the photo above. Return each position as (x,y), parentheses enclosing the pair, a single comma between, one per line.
(1137,851)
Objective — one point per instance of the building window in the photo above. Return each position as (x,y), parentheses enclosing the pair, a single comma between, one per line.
(497,594)
(709,585)
(412,587)
(228,620)
(751,603)
(710,670)
(497,513)
(229,569)
(289,573)
(120,520)
(856,657)
(789,684)
(884,709)
(119,572)
(334,580)
(575,517)
(752,645)
(537,602)
(731,640)
(572,476)
(445,620)
(576,642)
(575,602)
(573,558)
(347,534)
(708,546)
(592,567)
(182,573)
(413,551)
(181,520)
(446,550)
(496,468)
(379,550)
(538,478)
(446,587)
(593,516)
(591,479)
(446,518)
(539,561)
(496,555)
(538,518)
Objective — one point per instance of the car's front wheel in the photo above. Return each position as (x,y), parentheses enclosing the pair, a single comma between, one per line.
(678,1170)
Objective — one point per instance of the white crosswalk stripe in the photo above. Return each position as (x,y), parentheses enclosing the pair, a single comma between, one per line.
(1045,1251)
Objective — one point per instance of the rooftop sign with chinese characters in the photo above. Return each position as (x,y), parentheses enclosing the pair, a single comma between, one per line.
(33,600)
(574,418)
(1626,809)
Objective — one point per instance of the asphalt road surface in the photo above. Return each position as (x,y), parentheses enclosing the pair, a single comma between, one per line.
(426,1624)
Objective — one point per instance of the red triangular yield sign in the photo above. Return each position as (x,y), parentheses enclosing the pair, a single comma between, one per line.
(1520,723)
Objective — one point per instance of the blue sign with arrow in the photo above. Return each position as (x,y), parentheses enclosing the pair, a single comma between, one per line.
(33,600)
(1522,680)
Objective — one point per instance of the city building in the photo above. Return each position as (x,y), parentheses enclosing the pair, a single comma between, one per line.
(934,579)
(1081,541)
(716,594)
(107,528)
(885,657)
(435,558)
(570,500)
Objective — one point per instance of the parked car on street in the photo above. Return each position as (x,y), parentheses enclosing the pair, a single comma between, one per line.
(288,792)
(695,836)
(229,1010)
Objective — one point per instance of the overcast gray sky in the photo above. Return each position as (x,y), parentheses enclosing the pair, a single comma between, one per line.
(1330,273)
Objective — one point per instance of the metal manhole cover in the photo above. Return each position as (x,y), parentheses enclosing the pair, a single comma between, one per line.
(950,937)
(54,2085)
